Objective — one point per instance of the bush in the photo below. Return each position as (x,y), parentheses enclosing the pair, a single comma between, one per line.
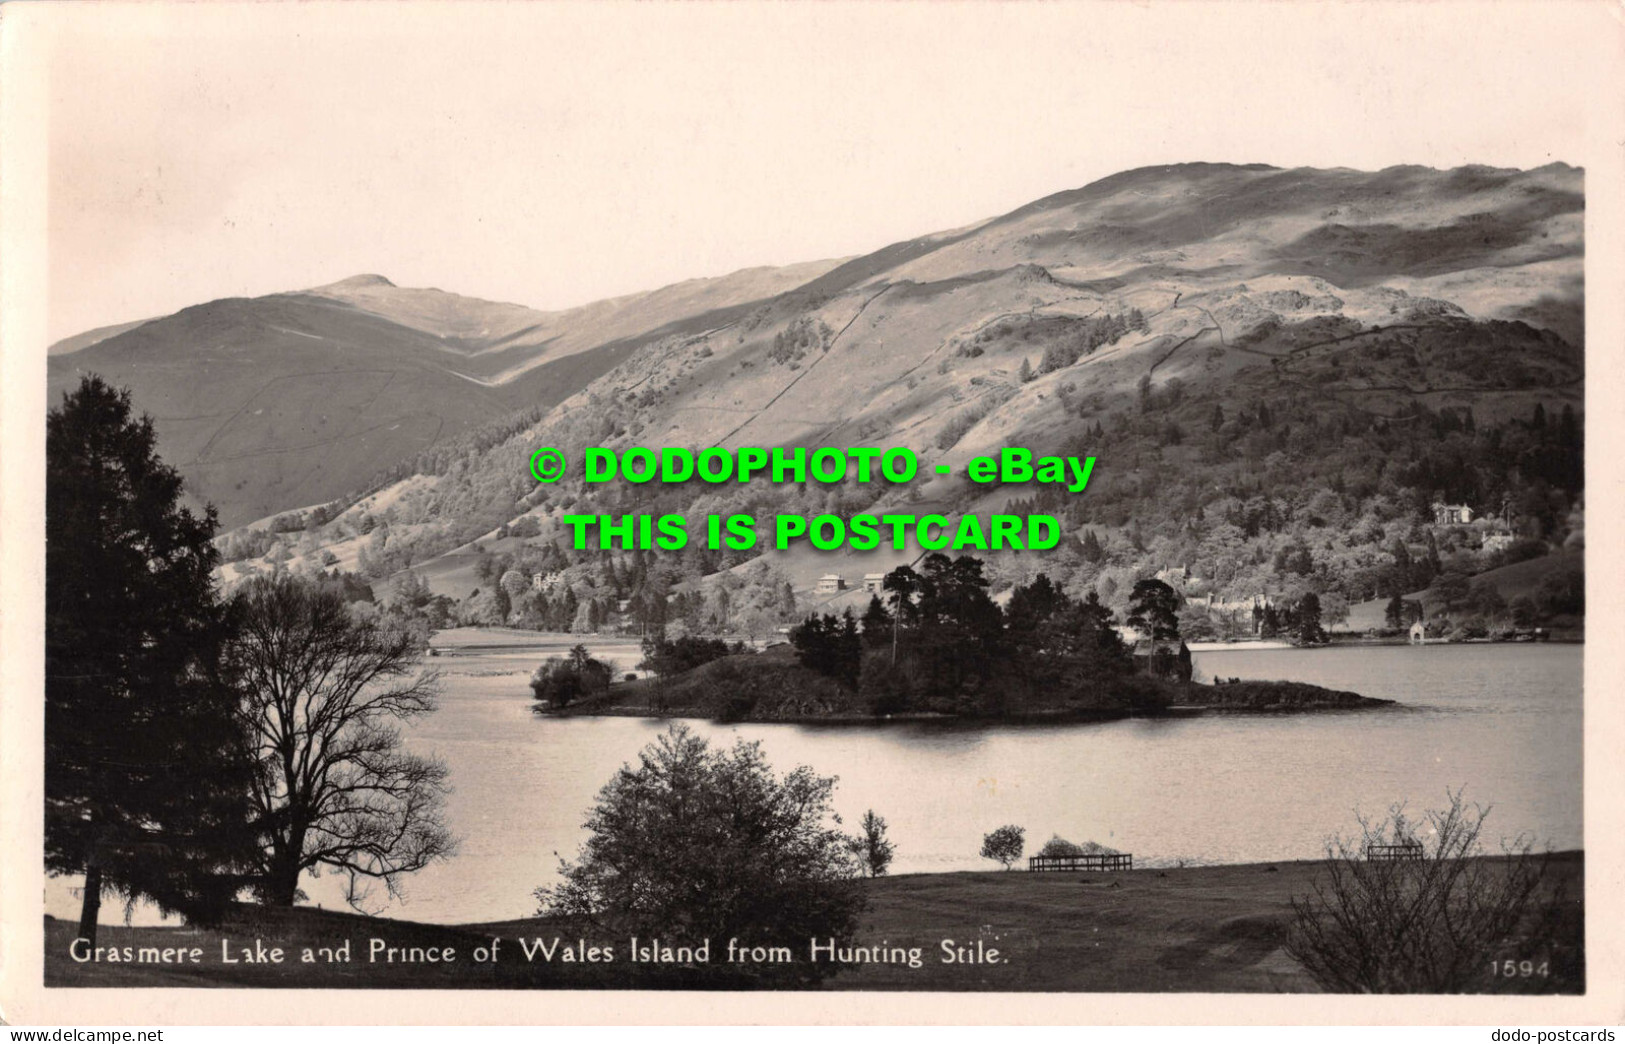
(1060,846)
(1427,925)
(697,844)
(1004,845)
(667,658)
(561,681)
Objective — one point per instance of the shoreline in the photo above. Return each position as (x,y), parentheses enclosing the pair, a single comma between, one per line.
(501,640)
(1059,717)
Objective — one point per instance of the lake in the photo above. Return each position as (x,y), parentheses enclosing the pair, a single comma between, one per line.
(1503,721)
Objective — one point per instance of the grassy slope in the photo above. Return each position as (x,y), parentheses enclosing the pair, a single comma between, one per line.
(1519,578)
(1200,929)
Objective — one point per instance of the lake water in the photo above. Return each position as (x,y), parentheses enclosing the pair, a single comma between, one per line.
(1503,721)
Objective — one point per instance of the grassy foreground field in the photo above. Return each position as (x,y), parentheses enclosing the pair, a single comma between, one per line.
(1199,929)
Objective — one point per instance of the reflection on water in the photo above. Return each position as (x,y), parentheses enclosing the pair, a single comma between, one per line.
(1502,721)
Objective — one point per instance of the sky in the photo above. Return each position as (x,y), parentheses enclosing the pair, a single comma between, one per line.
(555,154)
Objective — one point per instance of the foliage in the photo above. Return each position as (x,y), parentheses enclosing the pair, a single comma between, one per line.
(954,630)
(561,680)
(765,686)
(876,625)
(1427,925)
(1087,334)
(870,846)
(830,645)
(322,691)
(1306,620)
(1060,846)
(144,792)
(1004,845)
(804,333)
(670,657)
(697,843)
(1153,610)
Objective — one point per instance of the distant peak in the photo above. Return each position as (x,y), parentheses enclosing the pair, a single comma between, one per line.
(358,282)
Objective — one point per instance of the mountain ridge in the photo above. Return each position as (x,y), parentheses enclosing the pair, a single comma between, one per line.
(331,386)
(1341,297)
(925,343)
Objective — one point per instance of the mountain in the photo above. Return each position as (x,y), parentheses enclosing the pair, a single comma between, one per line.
(1277,370)
(90,337)
(295,399)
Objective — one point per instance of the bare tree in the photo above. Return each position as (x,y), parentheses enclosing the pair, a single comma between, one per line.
(1392,914)
(324,692)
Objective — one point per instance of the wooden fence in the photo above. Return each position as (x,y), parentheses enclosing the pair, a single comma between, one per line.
(1405,850)
(1096,861)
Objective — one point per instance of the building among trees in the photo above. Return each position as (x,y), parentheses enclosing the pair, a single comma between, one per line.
(1452,514)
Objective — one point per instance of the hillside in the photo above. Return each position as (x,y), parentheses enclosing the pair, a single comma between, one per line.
(301,398)
(1518,580)
(1277,371)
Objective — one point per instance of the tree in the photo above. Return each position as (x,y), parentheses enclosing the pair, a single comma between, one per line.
(145,793)
(871,847)
(697,843)
(1307,611)
(1153,608)
(514,583)
(561,681)
(1424,925)
(1004,845)
(1394,613)
(877,624)
(1030,606)
(1452,587)
(831,646)
(322,695)
(1484,598)
(1025,374)
(956,629)
(686,652)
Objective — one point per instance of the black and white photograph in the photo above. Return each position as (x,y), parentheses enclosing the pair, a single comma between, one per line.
(924,501)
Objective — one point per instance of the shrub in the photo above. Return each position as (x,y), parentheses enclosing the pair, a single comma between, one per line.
(696,843)
(872,849)
(1427,925)
(1060,846)
(667,658)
